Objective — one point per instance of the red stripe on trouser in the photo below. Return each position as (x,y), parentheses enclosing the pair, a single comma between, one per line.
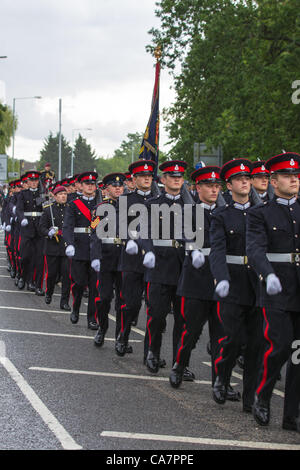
(184,329)
(43,272)
(266,355)
(149,318)
(122,319)
(47,272)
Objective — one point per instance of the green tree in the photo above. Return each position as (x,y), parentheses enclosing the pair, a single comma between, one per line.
(233,63)
(6,127)
(84,157)
(50,153)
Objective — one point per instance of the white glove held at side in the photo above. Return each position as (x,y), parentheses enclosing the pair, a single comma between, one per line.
(273,284)
(24,222)
(222,288)
(149,260)
(70,251)
(96,265)
(198,259)
(132,247)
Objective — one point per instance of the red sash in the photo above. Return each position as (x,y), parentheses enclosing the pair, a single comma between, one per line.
(83,209)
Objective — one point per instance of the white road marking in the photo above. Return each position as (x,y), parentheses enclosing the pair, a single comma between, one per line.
(111,374)
(53,424)
(20,291)
(239,376)
(200,440)
(60,335)
(37,310)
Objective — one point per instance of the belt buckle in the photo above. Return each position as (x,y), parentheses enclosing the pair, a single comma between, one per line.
(175,244)
(295,257)
(245,259)
(87,229)
(117,241)
(33,214)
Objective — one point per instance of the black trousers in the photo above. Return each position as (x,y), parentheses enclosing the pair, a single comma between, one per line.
(55,266)
(161,300)
(236,318)
(133,285)
(82,276)
(33,261)
(280,329)
(108,287)
(195,314)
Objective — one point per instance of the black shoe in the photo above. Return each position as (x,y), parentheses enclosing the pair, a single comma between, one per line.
(65,307)
(74,317)
(17,278)
(261,411)
(120,347)
(85,293)
(48,299)
(129,349)
(247,408)
(21,283)
(290,424)
(161,363)
(134,323)
(92,325)
(188,376)
(99,338)
(39,291)
(12,273)
(219,391)
(31,287)
(176,376)
(152,363)
(233,395)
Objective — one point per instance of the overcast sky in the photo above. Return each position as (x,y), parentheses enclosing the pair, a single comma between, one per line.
(89,53)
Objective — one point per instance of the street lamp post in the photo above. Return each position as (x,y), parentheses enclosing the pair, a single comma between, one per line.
(13,124)
(72,154)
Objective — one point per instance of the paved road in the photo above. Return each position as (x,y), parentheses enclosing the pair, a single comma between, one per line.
(58,391)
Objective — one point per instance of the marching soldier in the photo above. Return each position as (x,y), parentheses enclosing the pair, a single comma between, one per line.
(47,175)
(76,233)
(273,247)
(163,260)
(57,263)
(105,255)
(129,183)
(29,210)
(236,284)
(131,262)
(260,180)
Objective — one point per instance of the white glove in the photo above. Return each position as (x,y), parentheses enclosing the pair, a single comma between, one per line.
(51,232)
(198,259)
(149,260)
(222,288)
(70,251)
(24,222)
(8,228)
(132,247)
(96,265)
(273,284)
(14,210)
(4,225)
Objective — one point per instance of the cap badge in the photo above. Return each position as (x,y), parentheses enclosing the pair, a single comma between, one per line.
(90,177)
(242,167)
(292,162)
(262,168)
(146,167)
(213,175)
(176,167)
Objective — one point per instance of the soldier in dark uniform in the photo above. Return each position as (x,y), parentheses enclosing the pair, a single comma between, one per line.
(236,284)
(260,179)
(51,225)
(273,248)
(163,260)
(105,256)
(76,233)
(46,175)
(29,210)
(129,183)
(131,261)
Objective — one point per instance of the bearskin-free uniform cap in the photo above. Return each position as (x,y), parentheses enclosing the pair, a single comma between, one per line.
(32,175)
(173,167)
(142,167)
(58,189)
(287,162)
(207,174)
(259,168)
(238,166)
(88,177)
(116,179)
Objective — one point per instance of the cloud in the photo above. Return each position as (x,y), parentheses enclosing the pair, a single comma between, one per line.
(89,53)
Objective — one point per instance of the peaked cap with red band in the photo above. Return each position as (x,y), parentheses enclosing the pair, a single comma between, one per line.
(32,174)
(117,179)
(58,189)
(173,167)
(88,177)
(210,174)
(284,163)
(238,166)
(142,167)
(259,168)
